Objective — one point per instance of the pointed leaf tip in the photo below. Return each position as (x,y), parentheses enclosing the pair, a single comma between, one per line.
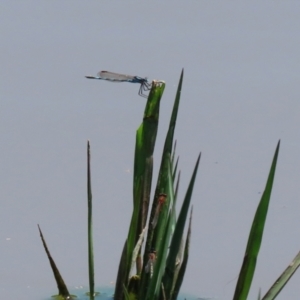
(198,159)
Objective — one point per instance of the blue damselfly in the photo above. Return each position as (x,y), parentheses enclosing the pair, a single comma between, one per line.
(145,85)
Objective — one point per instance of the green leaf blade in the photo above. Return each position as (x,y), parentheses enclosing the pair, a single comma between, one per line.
(283,279)
(255,237)
(178,234)
(62,287)
(143,167)
(90,226)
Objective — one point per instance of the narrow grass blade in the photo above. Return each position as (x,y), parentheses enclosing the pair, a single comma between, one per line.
(283,279)
(172,125)
(259,294)
(175,168)
(183,265)
(178,262)
(167,151)
(255,237)
(177,187)
(90,226)
(62,288)
(177,236)
(173,153)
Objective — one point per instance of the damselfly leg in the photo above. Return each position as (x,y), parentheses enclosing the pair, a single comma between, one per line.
(145,87)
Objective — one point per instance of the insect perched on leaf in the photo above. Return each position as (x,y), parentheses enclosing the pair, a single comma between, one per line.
(145,85)
(151,262)
(161,200)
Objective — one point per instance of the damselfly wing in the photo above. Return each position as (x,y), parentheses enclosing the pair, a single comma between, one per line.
(116,77)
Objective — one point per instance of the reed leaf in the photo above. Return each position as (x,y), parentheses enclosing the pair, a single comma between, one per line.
(143,165)
(177,187)
(178,233)
(163,172)
(183,264)
(283,279)
(255,237)
(62,288)
(175,168)
(90,226)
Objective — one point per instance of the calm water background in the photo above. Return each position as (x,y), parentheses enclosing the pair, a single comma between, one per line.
(240,96)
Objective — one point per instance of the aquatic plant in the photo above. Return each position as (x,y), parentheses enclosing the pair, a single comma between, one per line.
(155,253)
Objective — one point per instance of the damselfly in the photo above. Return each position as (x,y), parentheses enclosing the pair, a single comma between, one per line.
(161,200)
(115,77)
(151,262)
